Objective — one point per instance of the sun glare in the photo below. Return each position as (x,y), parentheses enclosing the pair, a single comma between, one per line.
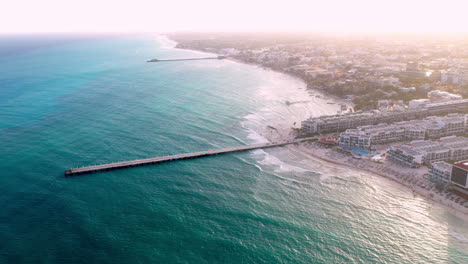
(240,15)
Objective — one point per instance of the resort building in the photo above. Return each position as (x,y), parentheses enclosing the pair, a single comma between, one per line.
(447,107)
(431,127)
(354,138)
(459,174)
(419,152)
(341,122)
(414,130)
(440,172)
(458,145)
(405,155)
(365,136)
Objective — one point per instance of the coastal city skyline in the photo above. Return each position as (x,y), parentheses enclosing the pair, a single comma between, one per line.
(360,16)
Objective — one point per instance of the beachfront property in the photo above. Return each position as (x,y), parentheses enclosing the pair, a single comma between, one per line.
(431,127)
(459,175)
(443,172)
(354,138)
(406,155)
(341,122)
(458,145)
(452,124)
(414,129)
(365,136)
(419,152)
(440,172)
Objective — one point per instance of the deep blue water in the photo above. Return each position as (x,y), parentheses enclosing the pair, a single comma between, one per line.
(68,101)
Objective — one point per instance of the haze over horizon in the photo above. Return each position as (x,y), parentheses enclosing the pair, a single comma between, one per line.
(386,16)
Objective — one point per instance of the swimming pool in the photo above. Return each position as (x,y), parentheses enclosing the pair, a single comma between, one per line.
(360,151)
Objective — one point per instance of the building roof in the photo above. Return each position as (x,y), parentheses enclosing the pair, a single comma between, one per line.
(406,149)
(462,165)
(442,165)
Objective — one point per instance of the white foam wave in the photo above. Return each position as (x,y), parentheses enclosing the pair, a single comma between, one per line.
(458,236)
(165,42)
(276,163)
(255,137)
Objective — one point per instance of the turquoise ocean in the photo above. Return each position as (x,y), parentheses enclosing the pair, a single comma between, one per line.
(78,100)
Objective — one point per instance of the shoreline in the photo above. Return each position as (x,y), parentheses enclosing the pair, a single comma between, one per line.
(408,178)
(322,92)
(367,166)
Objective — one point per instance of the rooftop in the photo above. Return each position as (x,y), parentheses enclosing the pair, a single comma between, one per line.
(462,164)
(442,165)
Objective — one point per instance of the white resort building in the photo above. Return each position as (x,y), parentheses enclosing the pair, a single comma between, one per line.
(440,172)
(419,152)
(341,122)
(429,128)
(459,174)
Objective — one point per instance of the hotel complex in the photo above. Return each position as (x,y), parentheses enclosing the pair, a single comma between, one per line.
(339,123)
(444,172)
(419,152)
(433,139)
(430,128)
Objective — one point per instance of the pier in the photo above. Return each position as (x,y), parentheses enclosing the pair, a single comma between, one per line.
(189,59)
(191,155)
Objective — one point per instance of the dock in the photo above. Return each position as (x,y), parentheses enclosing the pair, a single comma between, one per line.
(191,155)
(188,59)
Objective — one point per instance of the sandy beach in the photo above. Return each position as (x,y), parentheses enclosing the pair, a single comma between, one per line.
(408,177)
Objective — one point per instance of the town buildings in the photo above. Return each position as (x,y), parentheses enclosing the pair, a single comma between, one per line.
(365,69)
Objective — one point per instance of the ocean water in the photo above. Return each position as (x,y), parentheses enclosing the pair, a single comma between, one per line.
(68,101)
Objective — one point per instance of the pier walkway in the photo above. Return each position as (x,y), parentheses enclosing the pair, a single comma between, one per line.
(140,162)
(188,59)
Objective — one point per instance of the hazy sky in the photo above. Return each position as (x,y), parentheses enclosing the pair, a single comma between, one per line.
(235,15)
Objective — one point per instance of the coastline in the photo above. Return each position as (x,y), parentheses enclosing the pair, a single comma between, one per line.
(409,179)
(322,92)
(335,98)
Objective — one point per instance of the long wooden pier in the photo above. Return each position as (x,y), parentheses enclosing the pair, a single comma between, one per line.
(191,155)
(188,59)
